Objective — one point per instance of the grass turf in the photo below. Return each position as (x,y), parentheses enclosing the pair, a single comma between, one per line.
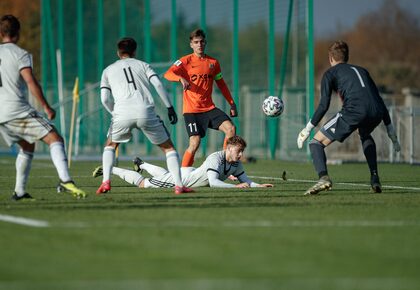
(258,238)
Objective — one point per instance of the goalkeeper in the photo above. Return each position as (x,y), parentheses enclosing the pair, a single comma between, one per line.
(363,110)
(213,172)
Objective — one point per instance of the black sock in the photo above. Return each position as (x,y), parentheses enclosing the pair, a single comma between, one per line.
(369,149)
(319,158)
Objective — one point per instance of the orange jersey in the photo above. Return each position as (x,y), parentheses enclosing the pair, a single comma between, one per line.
(200,72)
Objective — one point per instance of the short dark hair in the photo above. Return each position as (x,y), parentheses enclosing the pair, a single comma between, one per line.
(236,141)
(339,51)
(127,45)
(197,33)
(9,26)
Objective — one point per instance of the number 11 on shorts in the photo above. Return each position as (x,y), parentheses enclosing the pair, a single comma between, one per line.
(192,127)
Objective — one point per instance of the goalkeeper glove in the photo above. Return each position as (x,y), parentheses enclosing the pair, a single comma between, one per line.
(173,118)
(233,110)
(304,134)
(393,136)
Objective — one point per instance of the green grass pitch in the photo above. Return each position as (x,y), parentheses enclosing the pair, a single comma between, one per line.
(275,238)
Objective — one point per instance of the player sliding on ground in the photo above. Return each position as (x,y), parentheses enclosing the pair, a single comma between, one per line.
(214,170)
(363,110)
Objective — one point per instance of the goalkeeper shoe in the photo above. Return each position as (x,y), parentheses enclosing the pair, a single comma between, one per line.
(70,187)
(97,171)
(183,189)
(25,196)
(324,183)
(104,188)
(137,162)
(376,184)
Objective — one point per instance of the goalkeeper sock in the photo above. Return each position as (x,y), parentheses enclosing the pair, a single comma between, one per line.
(130,176)
(188,159)
(319,158)
(369,149)
(59,159)
(172,161)
(23,167)
(107,162)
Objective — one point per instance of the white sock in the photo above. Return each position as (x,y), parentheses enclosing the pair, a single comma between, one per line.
(58,156)
(23,166)
(172,161)
(153,169)
(128,175)
(107,162)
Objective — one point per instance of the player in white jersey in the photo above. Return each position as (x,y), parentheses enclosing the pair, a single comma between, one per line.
(19,122)
(213,172)
(128,82)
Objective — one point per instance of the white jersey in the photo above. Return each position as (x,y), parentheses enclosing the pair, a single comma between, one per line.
(13,92)
(214,162)
(128,81)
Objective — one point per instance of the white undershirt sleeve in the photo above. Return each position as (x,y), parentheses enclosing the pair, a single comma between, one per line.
(163,94)
(107,100)
(214,180)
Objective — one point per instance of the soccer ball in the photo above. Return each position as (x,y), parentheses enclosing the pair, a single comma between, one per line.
(273,106)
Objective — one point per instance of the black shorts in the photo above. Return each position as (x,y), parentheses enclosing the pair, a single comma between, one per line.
(338,129)
(197,123)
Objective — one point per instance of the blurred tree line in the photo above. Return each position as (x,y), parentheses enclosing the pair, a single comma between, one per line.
(386,42)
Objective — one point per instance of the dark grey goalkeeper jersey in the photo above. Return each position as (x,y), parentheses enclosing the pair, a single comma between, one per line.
(358,92)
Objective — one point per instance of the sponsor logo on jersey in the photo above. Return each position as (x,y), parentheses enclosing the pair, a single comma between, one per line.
(178,63)
(201,77)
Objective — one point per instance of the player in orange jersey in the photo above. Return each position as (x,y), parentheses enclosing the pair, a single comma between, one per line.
(196,72)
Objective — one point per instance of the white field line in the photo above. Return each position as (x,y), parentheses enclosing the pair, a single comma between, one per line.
(225,224)
(340,183)
(246,224)
(24,221)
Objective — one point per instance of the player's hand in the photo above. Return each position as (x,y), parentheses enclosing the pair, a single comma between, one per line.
(393,136)
(265,185)
(242,185)
(50,112)
(185,84)
(303,135)
(233,110)
(173,118)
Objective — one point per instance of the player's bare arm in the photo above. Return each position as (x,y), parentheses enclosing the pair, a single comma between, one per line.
(36,91)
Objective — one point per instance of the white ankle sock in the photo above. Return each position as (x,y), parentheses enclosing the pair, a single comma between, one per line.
(23,167)
(107,162)
(172,161)
(58,156)
(153,169)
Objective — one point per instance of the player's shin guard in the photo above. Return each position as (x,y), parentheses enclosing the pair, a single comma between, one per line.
(23,167)
(369,149)
(58,156)
(319,158)
(172,160)
(107,162)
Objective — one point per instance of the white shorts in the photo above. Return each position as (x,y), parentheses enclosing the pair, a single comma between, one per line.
(32,128)
(153,128)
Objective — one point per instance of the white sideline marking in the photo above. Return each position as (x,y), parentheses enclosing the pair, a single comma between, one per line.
(24,221)
(247,224)
(340,183)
